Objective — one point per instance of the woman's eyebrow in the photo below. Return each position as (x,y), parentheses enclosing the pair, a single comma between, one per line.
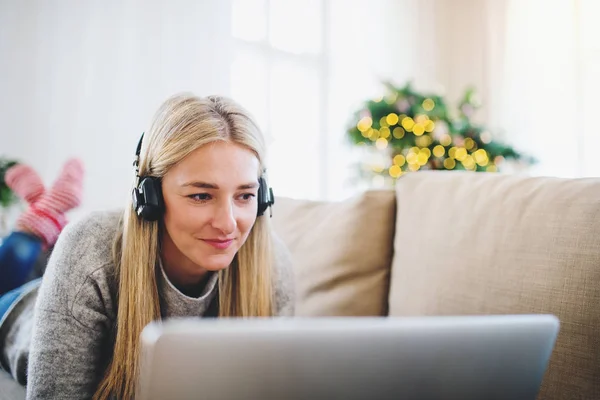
(207,185)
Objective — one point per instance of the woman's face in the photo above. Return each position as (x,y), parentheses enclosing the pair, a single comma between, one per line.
(210,207)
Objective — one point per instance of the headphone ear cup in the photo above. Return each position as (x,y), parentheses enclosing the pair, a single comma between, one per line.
(265,196)
(148,200)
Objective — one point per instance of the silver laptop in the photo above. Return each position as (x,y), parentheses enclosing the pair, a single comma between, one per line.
(468,358)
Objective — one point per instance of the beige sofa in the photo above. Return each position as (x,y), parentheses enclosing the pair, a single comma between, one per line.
(460,243)
(454,243)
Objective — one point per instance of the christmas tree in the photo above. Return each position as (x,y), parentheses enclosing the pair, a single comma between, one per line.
(415,131)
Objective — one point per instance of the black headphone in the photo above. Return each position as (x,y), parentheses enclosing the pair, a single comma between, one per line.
(148,200)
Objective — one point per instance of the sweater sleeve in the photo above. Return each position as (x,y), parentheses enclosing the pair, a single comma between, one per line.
(284,286)
(72,324)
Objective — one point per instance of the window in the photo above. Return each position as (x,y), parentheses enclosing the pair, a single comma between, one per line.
(278,74)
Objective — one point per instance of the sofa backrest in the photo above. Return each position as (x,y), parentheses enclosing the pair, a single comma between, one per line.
(477,243)
(342,252)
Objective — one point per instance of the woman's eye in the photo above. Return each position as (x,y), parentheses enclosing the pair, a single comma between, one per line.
(247,196)
(200,196)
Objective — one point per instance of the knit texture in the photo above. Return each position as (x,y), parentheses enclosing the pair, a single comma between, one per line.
(76,308)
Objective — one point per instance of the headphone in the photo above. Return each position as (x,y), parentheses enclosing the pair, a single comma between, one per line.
(148,201)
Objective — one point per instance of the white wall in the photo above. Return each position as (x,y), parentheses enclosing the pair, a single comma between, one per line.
(83,78)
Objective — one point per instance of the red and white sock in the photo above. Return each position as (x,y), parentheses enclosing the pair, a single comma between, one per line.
(46,217)
(25,182)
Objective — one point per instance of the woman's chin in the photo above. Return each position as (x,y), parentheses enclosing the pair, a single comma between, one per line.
(215,262)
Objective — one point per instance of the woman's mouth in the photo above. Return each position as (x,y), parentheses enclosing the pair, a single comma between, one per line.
(219,244)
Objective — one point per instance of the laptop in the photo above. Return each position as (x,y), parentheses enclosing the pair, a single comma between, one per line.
(446,357)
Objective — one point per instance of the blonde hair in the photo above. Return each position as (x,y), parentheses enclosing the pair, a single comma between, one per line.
(181,125)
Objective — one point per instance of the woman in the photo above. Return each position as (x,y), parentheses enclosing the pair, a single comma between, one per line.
(193,241)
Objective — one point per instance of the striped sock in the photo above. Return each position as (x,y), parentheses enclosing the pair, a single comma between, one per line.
(46,218)
(25,182)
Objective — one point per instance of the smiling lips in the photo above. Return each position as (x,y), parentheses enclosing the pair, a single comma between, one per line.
(219,244)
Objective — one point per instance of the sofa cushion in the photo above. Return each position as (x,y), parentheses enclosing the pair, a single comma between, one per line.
(478,243)
(341,252)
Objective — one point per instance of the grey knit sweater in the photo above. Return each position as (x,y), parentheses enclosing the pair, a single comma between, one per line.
(66,347)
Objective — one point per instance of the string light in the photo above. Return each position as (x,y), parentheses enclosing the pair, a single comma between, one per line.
(449,163)
(429,126)
(399,160)
(364,124)
(469,143)
(428,104)
(395,171)
(408,123)
(452,152)
(392,119)
(384,132)
(422,158)
(446,140)
(411,158)
(418,129)
(398,133)
(381,143)
(461,154)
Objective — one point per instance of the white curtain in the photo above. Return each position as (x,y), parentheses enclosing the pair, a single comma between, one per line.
(536,67)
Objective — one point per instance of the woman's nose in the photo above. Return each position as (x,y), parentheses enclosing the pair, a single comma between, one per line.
(224,218)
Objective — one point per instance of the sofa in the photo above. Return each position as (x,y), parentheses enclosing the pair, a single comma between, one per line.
(458,243)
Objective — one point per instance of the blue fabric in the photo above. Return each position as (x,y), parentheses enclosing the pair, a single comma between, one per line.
(18,254)
(8,299)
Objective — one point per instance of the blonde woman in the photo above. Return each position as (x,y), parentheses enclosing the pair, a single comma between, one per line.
(193,241)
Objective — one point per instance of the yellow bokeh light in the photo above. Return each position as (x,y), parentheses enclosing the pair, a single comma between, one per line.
(422,158)
(428,104)
(468,162)
(425,151)
(423,141)
(374,135)
(452,152)
(429,126)
(415,150)
(481,157)
(364,124)
(421,119)
(491,168)
(395,171)
(439,151)
(446,140)
(411,158)
(399,160)
(392,119)
(381,143)
(449,163)
(469,143)
(418,129)
(398,133)
(383,122)
(461,154)
(414,167)
(384,132)
(408,123)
